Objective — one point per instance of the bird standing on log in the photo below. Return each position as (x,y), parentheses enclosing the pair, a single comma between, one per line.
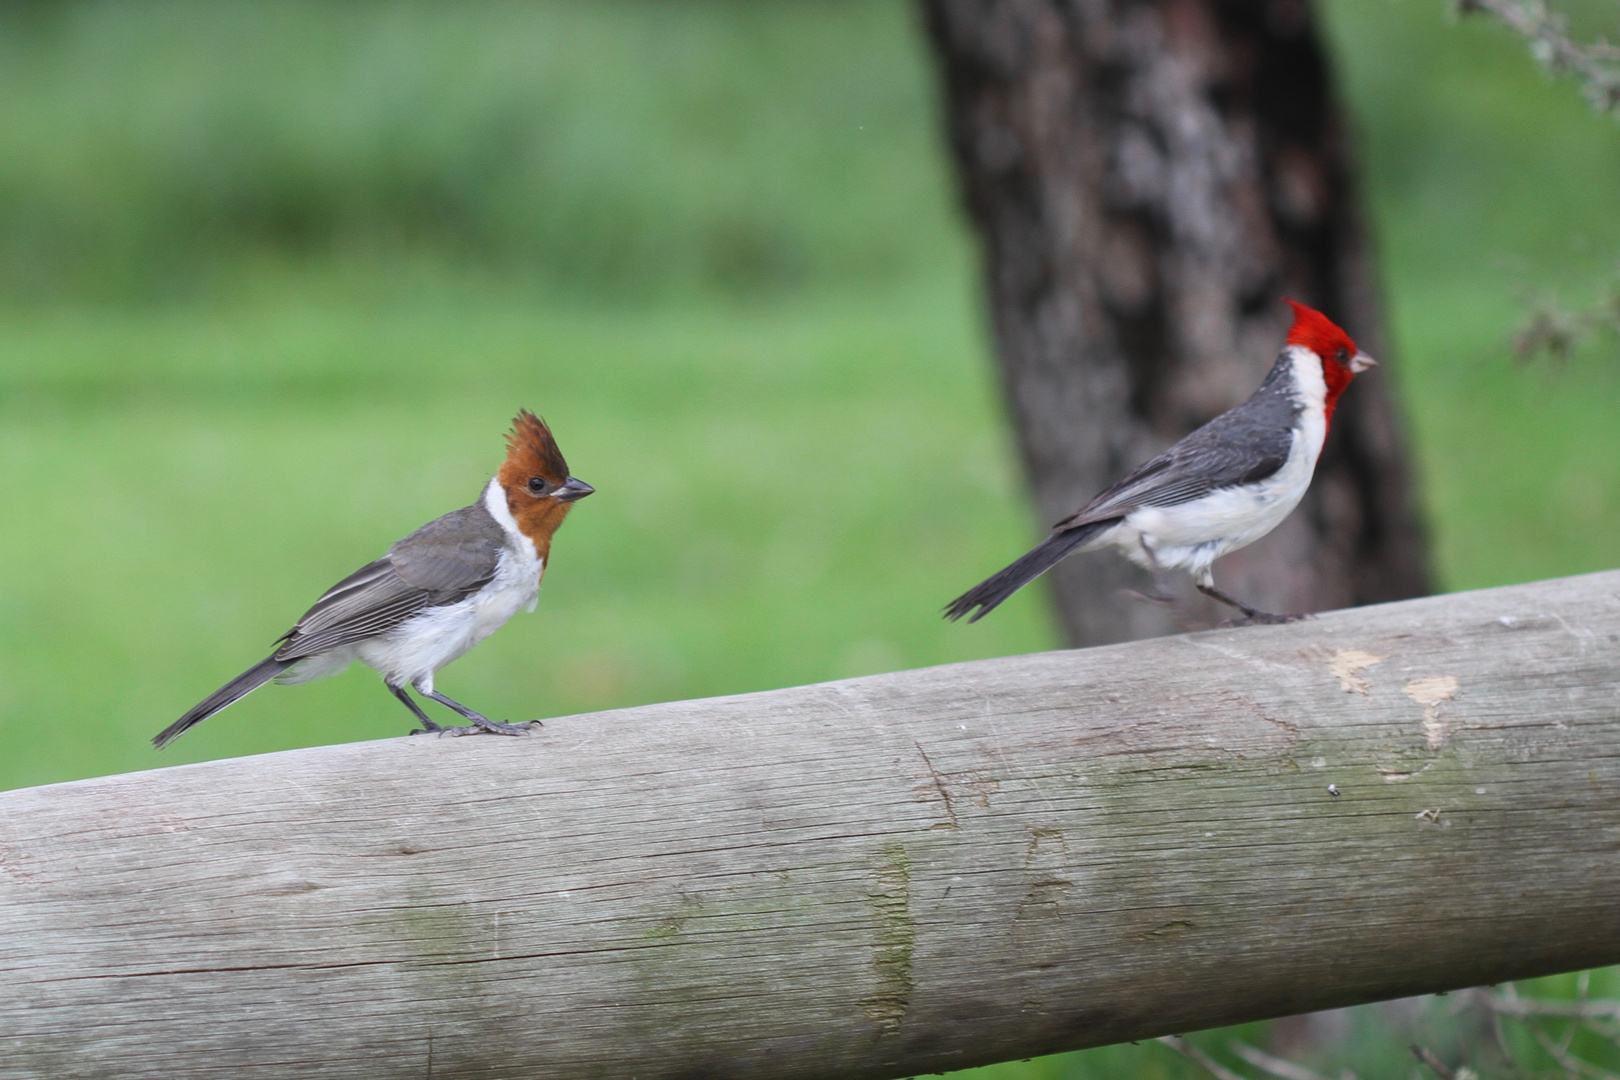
(1219,489)
(436,594)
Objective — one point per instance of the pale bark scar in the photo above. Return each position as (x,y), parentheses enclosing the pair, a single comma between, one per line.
(1346,666)
(1429,693)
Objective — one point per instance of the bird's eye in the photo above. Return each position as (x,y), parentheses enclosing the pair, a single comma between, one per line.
(1342,356)
(537,485)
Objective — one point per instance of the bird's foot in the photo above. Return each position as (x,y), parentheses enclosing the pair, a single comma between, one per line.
(429,728)
(483,725)
(1161,599)
(1265,618)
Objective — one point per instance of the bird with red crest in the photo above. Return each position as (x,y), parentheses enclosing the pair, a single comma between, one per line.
(1221,488)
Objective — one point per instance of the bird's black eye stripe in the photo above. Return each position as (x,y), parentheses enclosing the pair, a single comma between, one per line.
(537,485)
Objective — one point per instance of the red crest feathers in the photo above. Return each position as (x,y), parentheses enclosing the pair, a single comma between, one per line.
(1318,333)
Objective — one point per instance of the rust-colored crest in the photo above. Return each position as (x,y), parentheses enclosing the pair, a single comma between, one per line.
(531,451)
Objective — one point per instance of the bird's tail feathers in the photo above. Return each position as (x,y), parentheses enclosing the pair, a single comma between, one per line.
(988,594)
(233,691)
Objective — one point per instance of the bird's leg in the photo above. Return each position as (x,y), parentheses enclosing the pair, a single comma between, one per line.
(1165,597)
(480,722)
(1250,615)
(427,724)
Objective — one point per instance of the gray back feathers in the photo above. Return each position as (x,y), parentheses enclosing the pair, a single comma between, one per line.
(1245,444)
(444,561)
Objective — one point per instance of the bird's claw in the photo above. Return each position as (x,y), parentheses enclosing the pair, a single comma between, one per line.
(485,726)
(1266,618)
(480,726)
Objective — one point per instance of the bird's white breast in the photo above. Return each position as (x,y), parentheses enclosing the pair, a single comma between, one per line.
(1192,535)
(429,640)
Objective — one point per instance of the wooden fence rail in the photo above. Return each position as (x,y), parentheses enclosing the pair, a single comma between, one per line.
(885,876)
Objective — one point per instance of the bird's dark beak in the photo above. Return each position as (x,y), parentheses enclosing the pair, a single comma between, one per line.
(572,490)
(1361,362)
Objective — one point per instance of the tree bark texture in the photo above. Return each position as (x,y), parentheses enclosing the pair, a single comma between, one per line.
(875,878)
(1148,177)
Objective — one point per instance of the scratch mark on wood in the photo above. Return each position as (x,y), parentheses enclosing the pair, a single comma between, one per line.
(1395,776)
(939,785)
(304,791)
(12,870)
(1174,926)
(1291,729)
(1037,833)
(981,787)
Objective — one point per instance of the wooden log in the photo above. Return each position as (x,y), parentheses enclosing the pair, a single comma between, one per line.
(872,878)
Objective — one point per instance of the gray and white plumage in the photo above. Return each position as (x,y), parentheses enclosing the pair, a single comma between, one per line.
(1246,444)
(434,595)
(1219,489)
(443,562)
(437,593)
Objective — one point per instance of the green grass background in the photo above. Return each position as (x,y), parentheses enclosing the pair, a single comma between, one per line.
(275,276)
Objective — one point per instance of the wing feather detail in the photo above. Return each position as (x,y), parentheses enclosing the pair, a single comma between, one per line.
(1243,445)
(441,563)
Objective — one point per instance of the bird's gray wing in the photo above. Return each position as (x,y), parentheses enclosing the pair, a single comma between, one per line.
(444,561)
(1244,445)
(452,556)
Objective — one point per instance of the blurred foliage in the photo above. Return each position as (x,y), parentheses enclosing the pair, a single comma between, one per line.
(275,274)
(610,150)
(1490,181)
(1554,37)
(1566,1027)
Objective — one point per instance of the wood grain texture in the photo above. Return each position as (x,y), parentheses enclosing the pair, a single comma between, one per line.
(871,878)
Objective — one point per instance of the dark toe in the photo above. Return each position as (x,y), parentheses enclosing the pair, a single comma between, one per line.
(497,727)
(1265,618)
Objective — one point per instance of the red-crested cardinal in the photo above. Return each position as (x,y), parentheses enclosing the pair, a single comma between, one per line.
(436,594)
(1219,489)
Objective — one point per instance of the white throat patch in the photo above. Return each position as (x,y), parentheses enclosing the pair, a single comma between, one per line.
(495,503)
(1309,384)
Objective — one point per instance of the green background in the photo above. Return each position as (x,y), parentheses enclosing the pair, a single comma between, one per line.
(275,276)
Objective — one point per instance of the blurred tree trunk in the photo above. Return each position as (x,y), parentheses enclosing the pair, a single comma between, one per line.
(1148,177)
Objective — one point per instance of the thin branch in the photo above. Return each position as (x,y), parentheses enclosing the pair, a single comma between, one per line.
(1569,1062)
(1482,997)
(1263,1061)
(1198,1057)
(1594,63)
(1551,328)
(1558,331)
(1434,1064)
(1563,1009)
(1509,1003)
(1603,1029)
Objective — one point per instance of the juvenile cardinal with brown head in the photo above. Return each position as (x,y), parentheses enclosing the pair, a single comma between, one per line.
(436,594)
